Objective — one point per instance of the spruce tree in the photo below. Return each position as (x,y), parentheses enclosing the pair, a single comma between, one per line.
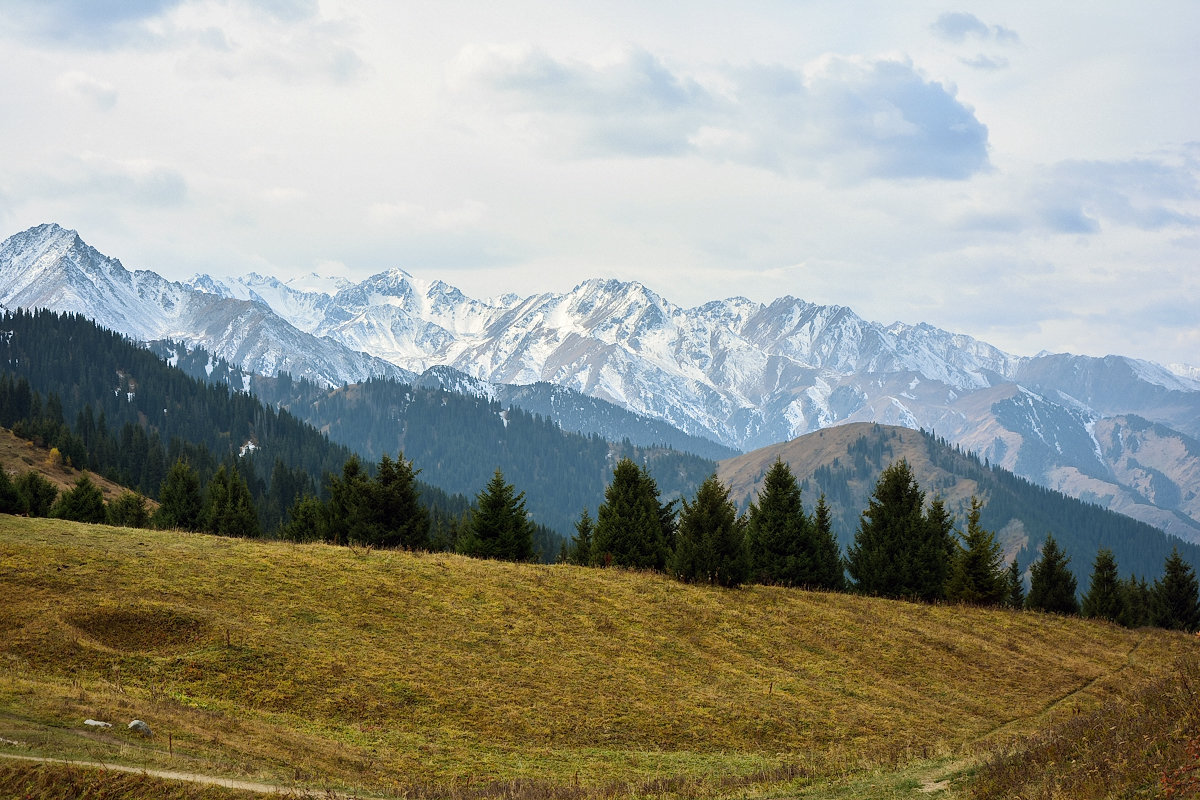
(82,503)
(37,493)
(1176,598)
(977,576)
(498,528)
(306,521)
(1104,597)
(1052,586)
(632,528)
(580,552)
(11,501)
(779,535)
(351,517)
(129,511)
(180,503)
(403,521)
(1014,586)
(1137,601)
(829,572)
(710,545)
(898,551)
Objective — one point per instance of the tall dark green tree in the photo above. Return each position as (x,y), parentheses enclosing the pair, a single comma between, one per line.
(1014,591)
(899,551)
(778,532)
(351,518)
(829,570)
(580,552)
(632,528)
(1051,584)
(307,521)
(11,501)
(1137,603)
(498,527)
(710,546)
(977,576)
(37,493)
(1104,599)
(180,503)
(1176,600)
(129,511)
(84,502)
(403,520)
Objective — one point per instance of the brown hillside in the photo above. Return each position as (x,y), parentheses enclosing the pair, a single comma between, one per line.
(18,456)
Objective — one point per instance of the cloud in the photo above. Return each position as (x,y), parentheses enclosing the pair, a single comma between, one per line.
(137,182)
(1147,194)
(97,24)
(85,87)
(849,119)
(988,63)
(958,26)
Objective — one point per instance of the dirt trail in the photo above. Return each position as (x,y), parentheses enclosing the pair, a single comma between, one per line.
(192,777)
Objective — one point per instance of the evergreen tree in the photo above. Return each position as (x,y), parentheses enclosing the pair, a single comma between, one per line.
(1014,587)
(129,511)
(777,531)
(1052,586)
(580,552)
(1104,597)
(11,501)
(631,526)
(977,576)
(829,571)
(82,503)
(1176,598)
(351,517)
(306,521)
(499,526)
(37,493)
(180,503)
(1137,601)
(898,551)
(403,521)
(710,545)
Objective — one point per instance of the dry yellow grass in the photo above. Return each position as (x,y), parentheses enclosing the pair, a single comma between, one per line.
(387,670)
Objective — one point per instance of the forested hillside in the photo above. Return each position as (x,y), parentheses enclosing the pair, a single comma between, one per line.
(843,463)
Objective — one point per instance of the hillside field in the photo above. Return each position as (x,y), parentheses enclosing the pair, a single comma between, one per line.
(392,673)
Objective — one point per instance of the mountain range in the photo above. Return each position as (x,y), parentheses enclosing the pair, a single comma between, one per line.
(1115,431)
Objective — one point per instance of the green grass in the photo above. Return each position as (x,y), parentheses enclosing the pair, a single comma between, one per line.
(394,673)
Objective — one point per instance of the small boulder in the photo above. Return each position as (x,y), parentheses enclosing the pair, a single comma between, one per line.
(95,723)
(137,726)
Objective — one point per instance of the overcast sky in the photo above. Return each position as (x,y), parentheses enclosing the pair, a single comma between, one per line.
(1024,172)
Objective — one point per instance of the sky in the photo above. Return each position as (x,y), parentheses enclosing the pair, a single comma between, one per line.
(1026,173)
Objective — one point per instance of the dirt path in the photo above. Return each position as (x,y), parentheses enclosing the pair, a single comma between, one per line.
(192,777)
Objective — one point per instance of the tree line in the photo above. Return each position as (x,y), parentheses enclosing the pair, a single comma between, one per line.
(904,548)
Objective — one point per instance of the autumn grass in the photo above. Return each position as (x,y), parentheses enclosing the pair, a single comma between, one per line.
(435,675)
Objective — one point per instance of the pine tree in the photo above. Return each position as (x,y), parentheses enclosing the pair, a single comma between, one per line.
(37,493)
(1014,586)
(710,546)
(11,501)
(829,572)
(632,526)
(1104,598)
(180,502)
(977,576)
(129,511)
(82,503)
(1052,586)
(1137,601)
(580,552)
(499,526)
(403,520)
(898,551)
(306,521)
(778,530)
(1176,598)
(351,516)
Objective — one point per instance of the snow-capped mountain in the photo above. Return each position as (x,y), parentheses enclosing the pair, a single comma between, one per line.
(50,267)
(741,373)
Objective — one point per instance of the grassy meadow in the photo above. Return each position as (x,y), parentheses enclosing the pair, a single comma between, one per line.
(387,673)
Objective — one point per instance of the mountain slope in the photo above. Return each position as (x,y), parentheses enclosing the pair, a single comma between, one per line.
(844,463)
(49,267)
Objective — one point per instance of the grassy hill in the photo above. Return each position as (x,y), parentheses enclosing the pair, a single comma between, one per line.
(18,456)
(388,672)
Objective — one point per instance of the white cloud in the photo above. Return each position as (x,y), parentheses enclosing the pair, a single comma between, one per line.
(98,93)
